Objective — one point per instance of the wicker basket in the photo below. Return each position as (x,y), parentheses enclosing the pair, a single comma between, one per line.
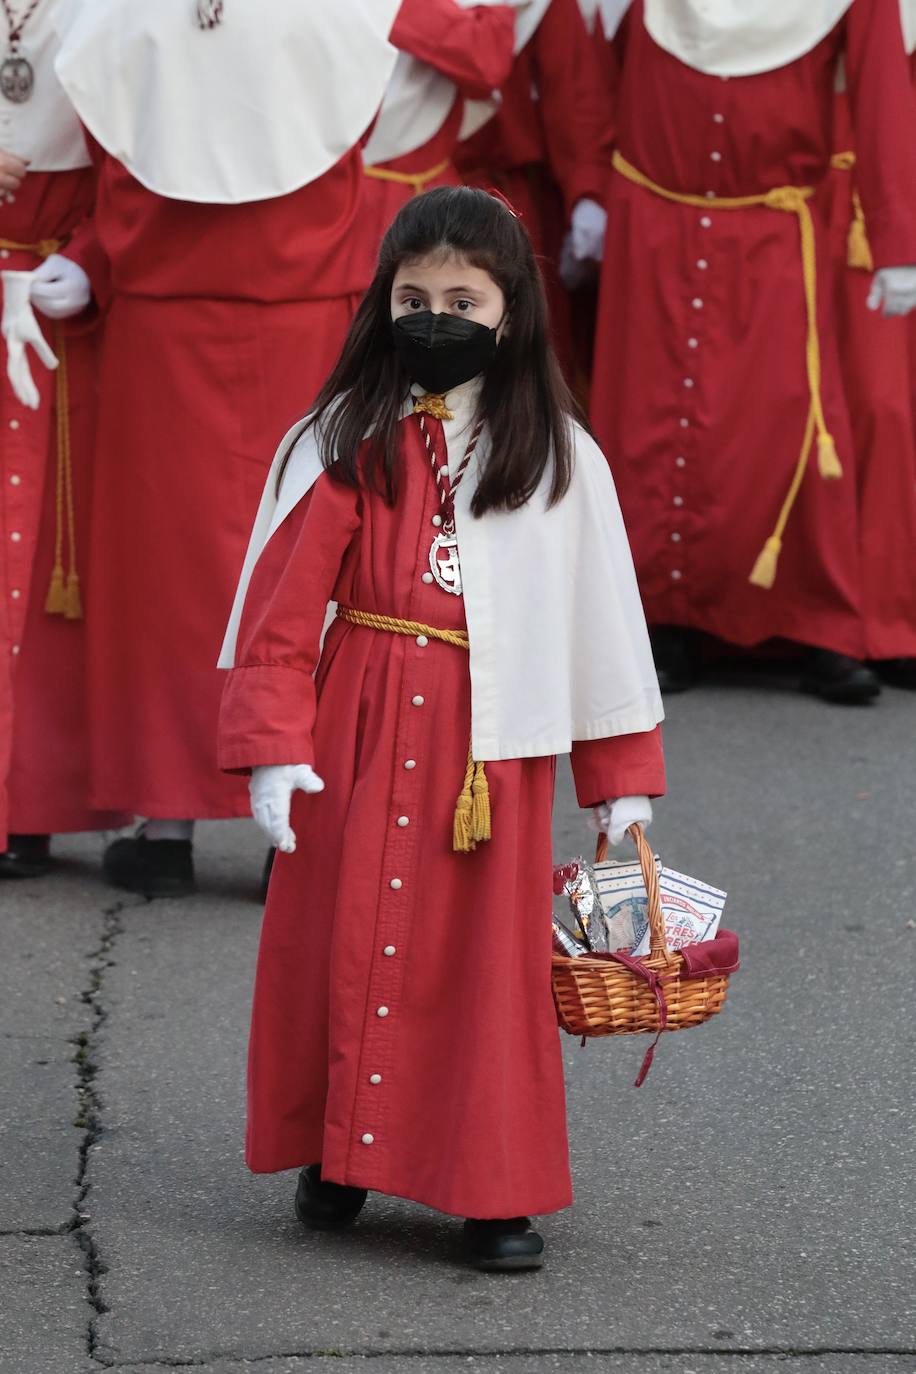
(616,994)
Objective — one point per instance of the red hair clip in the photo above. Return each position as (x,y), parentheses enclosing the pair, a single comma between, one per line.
(498,195)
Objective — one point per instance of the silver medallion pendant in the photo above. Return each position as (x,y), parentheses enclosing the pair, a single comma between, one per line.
(444,564)
(17,78)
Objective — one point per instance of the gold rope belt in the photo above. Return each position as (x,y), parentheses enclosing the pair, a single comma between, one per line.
(790,200)
(472,811)
(417,180)
(858,249)
(63,594)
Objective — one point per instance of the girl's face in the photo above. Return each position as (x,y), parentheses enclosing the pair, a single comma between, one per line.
(448,286)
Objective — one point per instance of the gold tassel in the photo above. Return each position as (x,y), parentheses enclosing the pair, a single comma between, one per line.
(858,249)
(73,607)
(764,570)
(463,829)
(480,807)
(56,600)
(828,463)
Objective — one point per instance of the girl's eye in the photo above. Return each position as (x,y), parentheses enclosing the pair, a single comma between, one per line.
(464,306)
(414,303)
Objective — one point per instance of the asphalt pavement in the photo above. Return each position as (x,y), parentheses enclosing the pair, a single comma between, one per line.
(749,1210)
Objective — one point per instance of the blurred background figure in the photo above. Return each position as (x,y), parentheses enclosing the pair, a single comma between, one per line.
(878,359)
(547,146)
(225,139)
(449,51)
(717,390)
(47,417)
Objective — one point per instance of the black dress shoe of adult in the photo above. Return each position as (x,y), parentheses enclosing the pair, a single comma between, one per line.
(837,678)
(26,856)
(153,868)
(675,664)
(896,672)
(326,1206)
(503,1244)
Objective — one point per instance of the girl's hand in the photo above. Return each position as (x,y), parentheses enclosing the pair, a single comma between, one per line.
(614,818)
(271,790)
(12,171)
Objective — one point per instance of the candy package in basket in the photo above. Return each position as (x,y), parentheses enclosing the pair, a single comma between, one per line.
(604,906)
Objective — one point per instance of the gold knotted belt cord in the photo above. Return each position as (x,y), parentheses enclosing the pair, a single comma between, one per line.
(63,596)
(790,200)
(418,181)
(472,823)
(858,249)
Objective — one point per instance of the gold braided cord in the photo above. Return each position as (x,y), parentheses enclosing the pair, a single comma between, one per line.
(63,597)
(417,181)
(789,200)
(472,821)
(858,249)
(432,404)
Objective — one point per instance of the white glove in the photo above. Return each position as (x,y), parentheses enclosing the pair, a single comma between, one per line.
(614,818)
(20,327)
(60,288)
(895,289)
(589,224)
(271,790)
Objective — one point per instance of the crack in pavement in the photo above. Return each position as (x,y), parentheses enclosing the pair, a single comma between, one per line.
(642,1352)
(89,1112)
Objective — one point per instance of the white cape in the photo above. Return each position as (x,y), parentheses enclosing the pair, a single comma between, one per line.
(417,103)
(257,107)
(741,37)
(908,24)
(559,646)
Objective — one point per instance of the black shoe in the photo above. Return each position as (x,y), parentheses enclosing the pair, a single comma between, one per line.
(326,1206)
(266,872)
(837,678)
(509,1244)
(26,856)
(154,868)
(675,663)
(896,672)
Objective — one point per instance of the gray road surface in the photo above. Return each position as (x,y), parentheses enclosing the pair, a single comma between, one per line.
(748,1211)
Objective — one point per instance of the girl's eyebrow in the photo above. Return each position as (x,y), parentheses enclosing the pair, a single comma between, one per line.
(406,286)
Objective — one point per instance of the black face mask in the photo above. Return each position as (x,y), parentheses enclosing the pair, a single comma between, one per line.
(442,351)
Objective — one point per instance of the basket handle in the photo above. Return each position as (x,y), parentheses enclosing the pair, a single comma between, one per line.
(657,941)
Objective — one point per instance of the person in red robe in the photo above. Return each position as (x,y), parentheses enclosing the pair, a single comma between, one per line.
(229,231)
(448,53)
(717,390)
(395,915)
(47,419)
(547,147)
(875,353)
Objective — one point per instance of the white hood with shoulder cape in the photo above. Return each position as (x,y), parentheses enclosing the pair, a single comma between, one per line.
(257,107)
(741,37)
(559,649)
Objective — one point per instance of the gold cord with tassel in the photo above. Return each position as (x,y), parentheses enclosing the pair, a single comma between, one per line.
(472,824)
(790,200)
(63,597)
(858,249)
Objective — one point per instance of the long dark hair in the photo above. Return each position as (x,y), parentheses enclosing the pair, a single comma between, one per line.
(527,404)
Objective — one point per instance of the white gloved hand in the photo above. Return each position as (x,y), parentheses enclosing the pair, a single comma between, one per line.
(614,818)
(60,288)
(20,327)
(589,224)
(894,288)
(271,790)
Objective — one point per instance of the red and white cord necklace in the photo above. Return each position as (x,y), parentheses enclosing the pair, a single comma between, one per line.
(17,75)
(446,570)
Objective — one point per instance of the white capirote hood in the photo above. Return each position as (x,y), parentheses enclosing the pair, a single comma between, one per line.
(258,106)
(741,37)
(559,649)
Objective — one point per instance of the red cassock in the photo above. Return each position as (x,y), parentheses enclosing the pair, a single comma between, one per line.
(44,752)
(877,364)
(548,145)
(700,394)
(473,48)
(403,1030)
(223,322)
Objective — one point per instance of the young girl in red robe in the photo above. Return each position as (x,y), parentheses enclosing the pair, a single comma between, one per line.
(442,494)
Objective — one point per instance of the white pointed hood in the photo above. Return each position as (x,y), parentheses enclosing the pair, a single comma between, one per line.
(741,37)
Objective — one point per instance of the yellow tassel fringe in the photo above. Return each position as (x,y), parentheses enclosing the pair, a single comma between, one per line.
(763,573)
(56,600)
(828,463)
(73,605)
(858,249)
(472,811)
